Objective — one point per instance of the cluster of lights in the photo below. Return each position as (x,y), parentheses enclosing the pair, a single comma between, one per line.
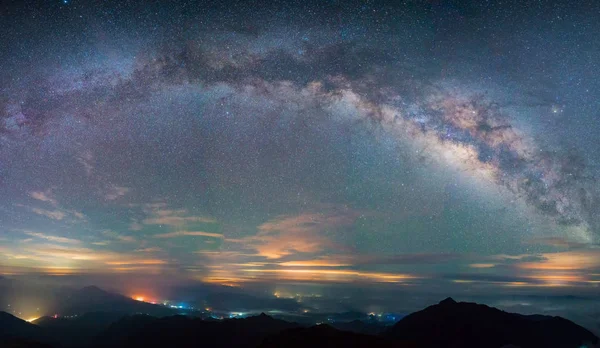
(164,303)
(296,296)
(382,316)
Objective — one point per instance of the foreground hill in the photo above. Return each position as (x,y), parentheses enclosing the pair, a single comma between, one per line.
(462,324)
(361,327)
(181,331)
(78,331)
(326,336)
(15,332)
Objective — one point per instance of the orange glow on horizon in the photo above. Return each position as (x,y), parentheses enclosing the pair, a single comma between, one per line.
(331,274)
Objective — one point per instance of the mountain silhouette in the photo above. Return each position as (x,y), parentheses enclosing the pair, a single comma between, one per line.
(463,324)
(78,331)
(359,326)
(93,299)
(181,331)
(325,336)
(446,324)
(16,332)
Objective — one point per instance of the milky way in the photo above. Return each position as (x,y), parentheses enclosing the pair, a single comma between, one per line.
(360,144)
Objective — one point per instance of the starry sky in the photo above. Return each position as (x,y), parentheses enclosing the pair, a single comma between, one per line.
(447,146)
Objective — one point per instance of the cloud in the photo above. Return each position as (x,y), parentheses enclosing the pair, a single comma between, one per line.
(327,275)
(119,236)
(188,233)
(558,242)
(136,226)
(86,159)
(302,233)
(77,214)
(124,238)
(315,263)
(236,267)
(51,238)
(45,196)
(345,259)
(57,214)
(58,253)
(575,268)
(524,281)
(233,268)
(159,215)
(482,265)
(176,220)
(408,259)
(137,262)
(59,259)
(116,192)
(149,250)
(51,214)
(578,260)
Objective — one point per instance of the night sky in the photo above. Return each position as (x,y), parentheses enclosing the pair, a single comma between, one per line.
(445,146)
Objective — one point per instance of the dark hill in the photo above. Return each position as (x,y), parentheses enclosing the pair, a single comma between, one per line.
(15,332)
(22,343)
(362,327)
(180,331)
(78,331)
(447,324)
(325,336)
(454,324)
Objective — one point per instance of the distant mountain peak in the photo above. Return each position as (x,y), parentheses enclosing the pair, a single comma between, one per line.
(487,327)
(91,289)
(8,316)
(448,301)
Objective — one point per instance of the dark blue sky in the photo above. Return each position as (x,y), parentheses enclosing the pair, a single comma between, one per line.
(416,145)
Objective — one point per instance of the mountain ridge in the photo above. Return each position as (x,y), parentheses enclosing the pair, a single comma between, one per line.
(466,324)
(447,323)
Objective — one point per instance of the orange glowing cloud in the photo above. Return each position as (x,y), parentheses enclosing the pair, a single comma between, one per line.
(315,263)
(482,265)
(138,262)
(189,233)
(159,215)
(75,259)
(302,233)
(52,238)
(330,275)
(571,260)
(44,196)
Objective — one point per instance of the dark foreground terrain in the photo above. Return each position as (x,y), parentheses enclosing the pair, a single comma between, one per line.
(447,324)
